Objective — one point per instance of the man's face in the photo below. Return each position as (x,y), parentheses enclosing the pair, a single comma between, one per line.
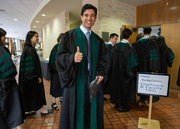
(88,19)
(114,40)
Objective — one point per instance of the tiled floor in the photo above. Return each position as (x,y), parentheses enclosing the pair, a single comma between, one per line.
(167,111)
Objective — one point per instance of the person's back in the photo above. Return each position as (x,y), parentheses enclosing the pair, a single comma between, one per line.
(166,55)
(124,62)
(148,54)
(147,51)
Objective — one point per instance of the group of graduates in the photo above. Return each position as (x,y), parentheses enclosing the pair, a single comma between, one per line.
(75,61)
(145,55)
(21,100)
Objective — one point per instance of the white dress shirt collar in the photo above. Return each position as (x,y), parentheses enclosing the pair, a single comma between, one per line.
(145,37)
(124,41)
(110,43)
(84,30)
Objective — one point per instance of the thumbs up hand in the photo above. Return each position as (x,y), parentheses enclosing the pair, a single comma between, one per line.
(78,56)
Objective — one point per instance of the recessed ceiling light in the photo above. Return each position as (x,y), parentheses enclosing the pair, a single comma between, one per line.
(34,26)
(37,21)
(15,19)
(43,15)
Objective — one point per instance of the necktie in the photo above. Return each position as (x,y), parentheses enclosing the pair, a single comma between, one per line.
(89,52)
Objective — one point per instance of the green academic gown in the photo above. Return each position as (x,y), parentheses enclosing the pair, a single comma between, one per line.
(77,112)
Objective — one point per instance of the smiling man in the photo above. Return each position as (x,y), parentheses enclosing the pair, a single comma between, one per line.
(82,57)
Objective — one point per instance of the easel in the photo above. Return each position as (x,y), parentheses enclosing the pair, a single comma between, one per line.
(144,123)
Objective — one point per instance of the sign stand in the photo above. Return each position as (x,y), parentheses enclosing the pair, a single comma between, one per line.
(148,123)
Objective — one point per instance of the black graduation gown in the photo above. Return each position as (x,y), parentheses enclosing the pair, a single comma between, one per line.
(68,71)
(178,80)
(33,95)
(124,63)
(107,85)
(55,89)
(166,59)
(148,55)
(11,112)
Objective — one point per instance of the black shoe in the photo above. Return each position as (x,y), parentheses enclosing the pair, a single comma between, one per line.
(49,112)
(124,109)
(54,106)
(116,106)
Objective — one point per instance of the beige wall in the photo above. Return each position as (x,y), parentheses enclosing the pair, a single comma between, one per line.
(113,14)
(75,25)
(51,31)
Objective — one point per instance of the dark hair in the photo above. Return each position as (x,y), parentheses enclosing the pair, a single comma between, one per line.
(29,36)
(2,33)
(126,33)
(113,34)
(60,37)
(147,30)
(139,36)
(161,43)
(88,6)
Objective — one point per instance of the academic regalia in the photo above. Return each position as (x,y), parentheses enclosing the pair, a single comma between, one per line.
(166,55)
(11,112)
(148,55)
(124,62)
(107,85)
(33,95)
(178,80)
(55,89)
(77,112)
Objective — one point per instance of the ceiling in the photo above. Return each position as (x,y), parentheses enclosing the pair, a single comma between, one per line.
(27,13)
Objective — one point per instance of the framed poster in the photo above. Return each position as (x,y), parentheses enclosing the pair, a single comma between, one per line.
(153,84)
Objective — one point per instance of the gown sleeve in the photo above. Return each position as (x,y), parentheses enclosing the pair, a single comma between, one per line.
(170,57)
(28,65)
(104,61)
(65,64)
(131,63)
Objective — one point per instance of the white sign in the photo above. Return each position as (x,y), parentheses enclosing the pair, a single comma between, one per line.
(153,84)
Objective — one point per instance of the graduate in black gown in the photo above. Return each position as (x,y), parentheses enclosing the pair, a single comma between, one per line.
(55,88)
(11,112)
(124,63)
(110,45)
(82,57)
(30,77)
(166,55)
(148,55)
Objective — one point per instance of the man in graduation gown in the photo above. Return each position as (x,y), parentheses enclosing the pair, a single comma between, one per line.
(112,41)
(82,57)
(148,55)
(124,60)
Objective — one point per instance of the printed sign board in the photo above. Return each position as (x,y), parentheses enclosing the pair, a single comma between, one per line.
(153,84)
